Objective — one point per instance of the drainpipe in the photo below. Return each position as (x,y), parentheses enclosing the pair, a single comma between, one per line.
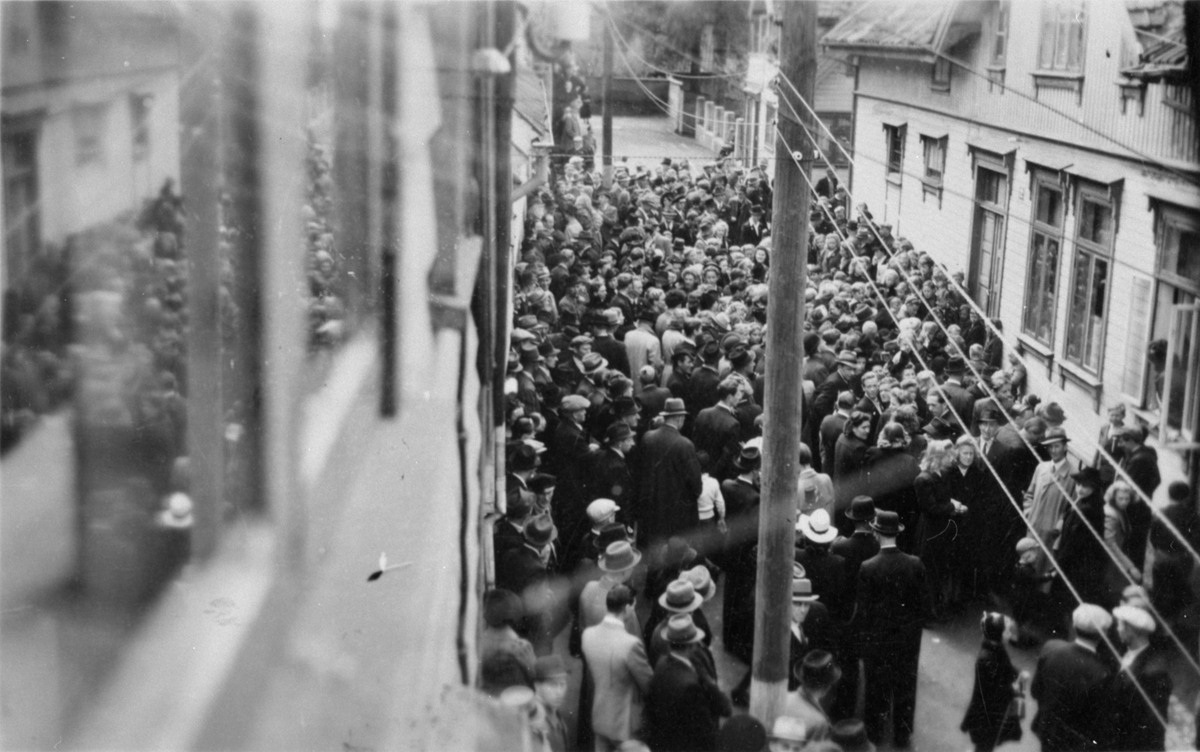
(541,171)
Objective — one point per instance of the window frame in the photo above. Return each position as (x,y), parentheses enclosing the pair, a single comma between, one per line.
(942,66)
(1049,232)
(895,135)
(1091,253)
(1056,18)
(1003,17)
(932,185)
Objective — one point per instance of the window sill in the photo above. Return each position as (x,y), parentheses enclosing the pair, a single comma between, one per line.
(1042,352)
(932,188)
(894,178)
(1059,80)
(1079,377)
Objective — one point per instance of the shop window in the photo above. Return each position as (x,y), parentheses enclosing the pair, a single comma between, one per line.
(1087,311)
(1045,250)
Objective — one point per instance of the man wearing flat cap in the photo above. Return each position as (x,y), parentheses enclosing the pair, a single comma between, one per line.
(569,455)
(1131,724)
(1069,685)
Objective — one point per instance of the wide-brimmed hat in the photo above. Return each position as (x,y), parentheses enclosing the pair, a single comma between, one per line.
(956,364)
(851,735)
(847,357)
(676,552)
(1136,617)
(617,432)
(750,458)
(802,591)
(593,362)
(540,531)
(619,557)
(887,523)
(990,414)
(681,630)
(818,669)
(524,458)
(816,527)
(702,581)
(673,406)
(623,407)
(862,508)
(680,597)
(1054,435)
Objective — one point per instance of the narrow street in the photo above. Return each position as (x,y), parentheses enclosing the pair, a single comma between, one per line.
(646,141)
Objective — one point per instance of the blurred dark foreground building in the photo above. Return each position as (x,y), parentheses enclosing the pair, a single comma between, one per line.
(255,279)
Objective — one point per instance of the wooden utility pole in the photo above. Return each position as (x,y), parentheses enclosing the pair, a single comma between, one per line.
(785,314)
(607,146)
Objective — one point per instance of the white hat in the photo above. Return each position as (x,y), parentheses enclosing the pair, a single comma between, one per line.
(1089,618)
(600,509)
(1136,617)
(816,527)
(789,728)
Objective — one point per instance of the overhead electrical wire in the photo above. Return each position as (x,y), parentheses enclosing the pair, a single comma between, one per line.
(1012,500)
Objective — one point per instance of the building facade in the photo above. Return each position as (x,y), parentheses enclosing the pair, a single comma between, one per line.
(1051,155)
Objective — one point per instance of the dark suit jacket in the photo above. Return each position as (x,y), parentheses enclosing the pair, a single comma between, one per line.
(703,388)
(831,428)
(854,551)
(683,707)
(1131,724)
(1069,686)
(961,400)
(1142,466)
(826,400)
(670,483)
(828,573)
(893,601)
(718,432)
(519,569)
(614,352)
(652,400)
(1081,554)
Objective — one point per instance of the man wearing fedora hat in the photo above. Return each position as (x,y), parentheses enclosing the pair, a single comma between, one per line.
(681,597)
(684,705)
(609,476)
(606,345)
(669,482)
(1051,486)
(618,671)
(526,571)
(893,604)
(842,380)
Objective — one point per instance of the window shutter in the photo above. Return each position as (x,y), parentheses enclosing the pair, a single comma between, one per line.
(1136,339)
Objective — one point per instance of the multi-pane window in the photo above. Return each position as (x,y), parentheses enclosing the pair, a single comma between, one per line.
(1000,38)
(935,158)
(894,135)
(1089,285)
(1178,288)
(1045,250)
(1061,48)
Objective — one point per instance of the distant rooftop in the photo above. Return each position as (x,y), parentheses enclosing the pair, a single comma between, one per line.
(888,25)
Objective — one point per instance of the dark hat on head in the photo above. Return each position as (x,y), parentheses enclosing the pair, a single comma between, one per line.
(647,313)
(528,321)
(1090,477)
(990,414)
(549,667)
(540,483)
(673,406)
(887,523)
(524,457)
(862,508)
(682,351)
(540,530)
(956,364)
(677,552)
(750,458)
(1054,414)
(818,669)
(530,354)
(1054,435)
(625,406)
(547,349)
(612,317)
(1179,491)
(502,607)
(617,432)
(742,733)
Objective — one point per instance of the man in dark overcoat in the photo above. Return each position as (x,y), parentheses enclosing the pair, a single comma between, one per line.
(717,430)
(893,604)
(569,454)
(1069,684)
(684,704)
(669,479)
(740,562)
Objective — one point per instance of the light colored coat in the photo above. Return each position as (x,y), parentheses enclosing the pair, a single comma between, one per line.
(643,349)
(621,676)
(1044,501)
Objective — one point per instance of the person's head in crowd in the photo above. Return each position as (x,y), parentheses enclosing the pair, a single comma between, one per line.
(550,680)
(858,425)
(1116,414)
(870,385)
(938,457)
(893,435)
(1055,443)
(1119,496)
(935,401)
(846,401)
(1130,438)
(965,450)
(1034,429)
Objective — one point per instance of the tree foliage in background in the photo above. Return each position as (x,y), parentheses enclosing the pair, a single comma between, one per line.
(669,33)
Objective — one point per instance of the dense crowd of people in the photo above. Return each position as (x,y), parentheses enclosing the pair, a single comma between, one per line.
(929,479)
